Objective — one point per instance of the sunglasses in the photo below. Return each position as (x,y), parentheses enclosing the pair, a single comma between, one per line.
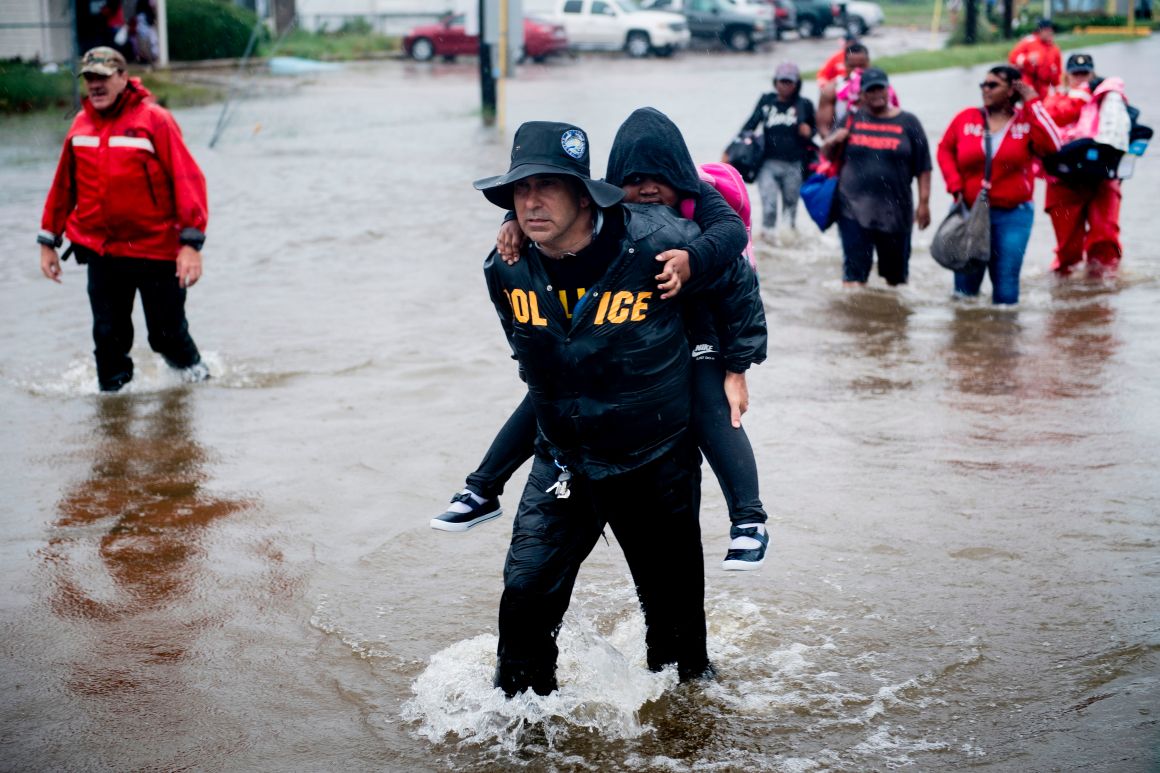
(991,85)
(790,81)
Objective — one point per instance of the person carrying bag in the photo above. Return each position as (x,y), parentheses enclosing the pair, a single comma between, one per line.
(819,192)
(987,158)
(963,239)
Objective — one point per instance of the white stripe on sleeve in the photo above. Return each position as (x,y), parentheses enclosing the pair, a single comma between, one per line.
(142,143)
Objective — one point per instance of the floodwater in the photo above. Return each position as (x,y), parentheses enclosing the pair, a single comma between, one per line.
(240,575)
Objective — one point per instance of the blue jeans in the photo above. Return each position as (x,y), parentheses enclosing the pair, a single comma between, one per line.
(1010,232)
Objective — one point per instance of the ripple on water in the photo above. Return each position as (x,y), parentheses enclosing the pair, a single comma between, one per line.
(151,374)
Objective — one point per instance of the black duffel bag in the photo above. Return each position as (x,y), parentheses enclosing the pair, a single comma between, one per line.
(746,154)
(1084,161)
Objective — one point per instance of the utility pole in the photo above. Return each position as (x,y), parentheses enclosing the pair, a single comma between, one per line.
(1008,12)
(487,88)
(971,24)
(162,34)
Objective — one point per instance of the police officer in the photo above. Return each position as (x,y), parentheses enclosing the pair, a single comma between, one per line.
(607,367)
(132,201)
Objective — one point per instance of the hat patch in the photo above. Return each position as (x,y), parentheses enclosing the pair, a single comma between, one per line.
(574,143)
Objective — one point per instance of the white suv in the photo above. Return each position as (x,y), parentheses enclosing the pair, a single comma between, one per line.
(611,25)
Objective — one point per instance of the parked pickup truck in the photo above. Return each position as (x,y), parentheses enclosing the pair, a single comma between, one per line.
(613,25)
(720,20)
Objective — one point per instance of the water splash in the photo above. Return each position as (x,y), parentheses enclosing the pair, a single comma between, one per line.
(601,690)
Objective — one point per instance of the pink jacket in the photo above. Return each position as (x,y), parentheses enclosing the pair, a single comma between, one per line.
(1078,113)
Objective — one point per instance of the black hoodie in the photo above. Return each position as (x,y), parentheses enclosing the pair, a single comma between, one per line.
(649,143)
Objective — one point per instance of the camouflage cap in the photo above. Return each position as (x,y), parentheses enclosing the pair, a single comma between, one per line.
(103,61)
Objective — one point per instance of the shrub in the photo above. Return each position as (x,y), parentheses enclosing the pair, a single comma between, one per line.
(985,32)
(356,26)
(208,29)
(23,87)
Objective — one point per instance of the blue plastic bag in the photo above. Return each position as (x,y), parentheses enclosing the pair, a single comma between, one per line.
(819,194)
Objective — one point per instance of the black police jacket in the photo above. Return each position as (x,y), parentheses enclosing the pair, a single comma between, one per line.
(610,387)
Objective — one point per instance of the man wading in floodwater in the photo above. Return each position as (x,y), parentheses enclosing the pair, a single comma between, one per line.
(132,201)
(609,381)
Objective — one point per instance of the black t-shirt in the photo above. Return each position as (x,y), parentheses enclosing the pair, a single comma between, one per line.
(882,157)
(573,275)
(780,122)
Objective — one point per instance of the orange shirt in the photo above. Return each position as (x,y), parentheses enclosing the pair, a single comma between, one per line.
(834,68)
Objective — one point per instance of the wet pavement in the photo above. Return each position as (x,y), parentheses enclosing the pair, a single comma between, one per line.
(240,575)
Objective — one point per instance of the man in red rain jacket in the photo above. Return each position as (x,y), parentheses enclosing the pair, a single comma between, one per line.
(132,201)
(1039,59)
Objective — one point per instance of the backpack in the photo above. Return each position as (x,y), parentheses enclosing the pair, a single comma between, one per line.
(731,185)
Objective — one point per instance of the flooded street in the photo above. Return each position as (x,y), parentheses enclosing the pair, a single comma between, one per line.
(240,575)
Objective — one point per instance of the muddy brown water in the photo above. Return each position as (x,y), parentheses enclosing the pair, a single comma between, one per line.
(240,576)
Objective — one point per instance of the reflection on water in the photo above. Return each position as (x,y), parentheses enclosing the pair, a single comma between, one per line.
(1080,335)
(984,355)
(876,324)
(128,545)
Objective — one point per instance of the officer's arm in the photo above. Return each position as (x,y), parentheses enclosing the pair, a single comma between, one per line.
(739,315)
(492,266)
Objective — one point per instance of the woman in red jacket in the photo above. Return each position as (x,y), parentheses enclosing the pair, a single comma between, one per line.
(1021,130)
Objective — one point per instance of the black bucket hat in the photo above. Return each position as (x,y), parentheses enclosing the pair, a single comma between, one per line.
(544,147)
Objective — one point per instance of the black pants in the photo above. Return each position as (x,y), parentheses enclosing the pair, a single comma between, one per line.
(113,285)
(653,511)
(727,448)
(511,448)
(859,245)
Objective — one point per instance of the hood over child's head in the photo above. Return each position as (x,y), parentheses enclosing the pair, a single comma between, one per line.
(649,143)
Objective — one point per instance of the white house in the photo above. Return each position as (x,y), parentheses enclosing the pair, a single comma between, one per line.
(36,30)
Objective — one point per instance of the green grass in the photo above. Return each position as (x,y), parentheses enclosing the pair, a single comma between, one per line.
(968,56)
(334,46)
(917,14)
(174,93)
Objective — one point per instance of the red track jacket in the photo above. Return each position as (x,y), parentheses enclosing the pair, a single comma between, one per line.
(1040,62)
(1031,133)
(126,185)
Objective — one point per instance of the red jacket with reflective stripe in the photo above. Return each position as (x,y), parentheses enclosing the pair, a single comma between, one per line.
(126,185)
(961,157)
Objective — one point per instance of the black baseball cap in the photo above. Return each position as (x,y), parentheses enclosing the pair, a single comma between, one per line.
(1044,24)
(1080,63)
(872,77)
(545,147)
